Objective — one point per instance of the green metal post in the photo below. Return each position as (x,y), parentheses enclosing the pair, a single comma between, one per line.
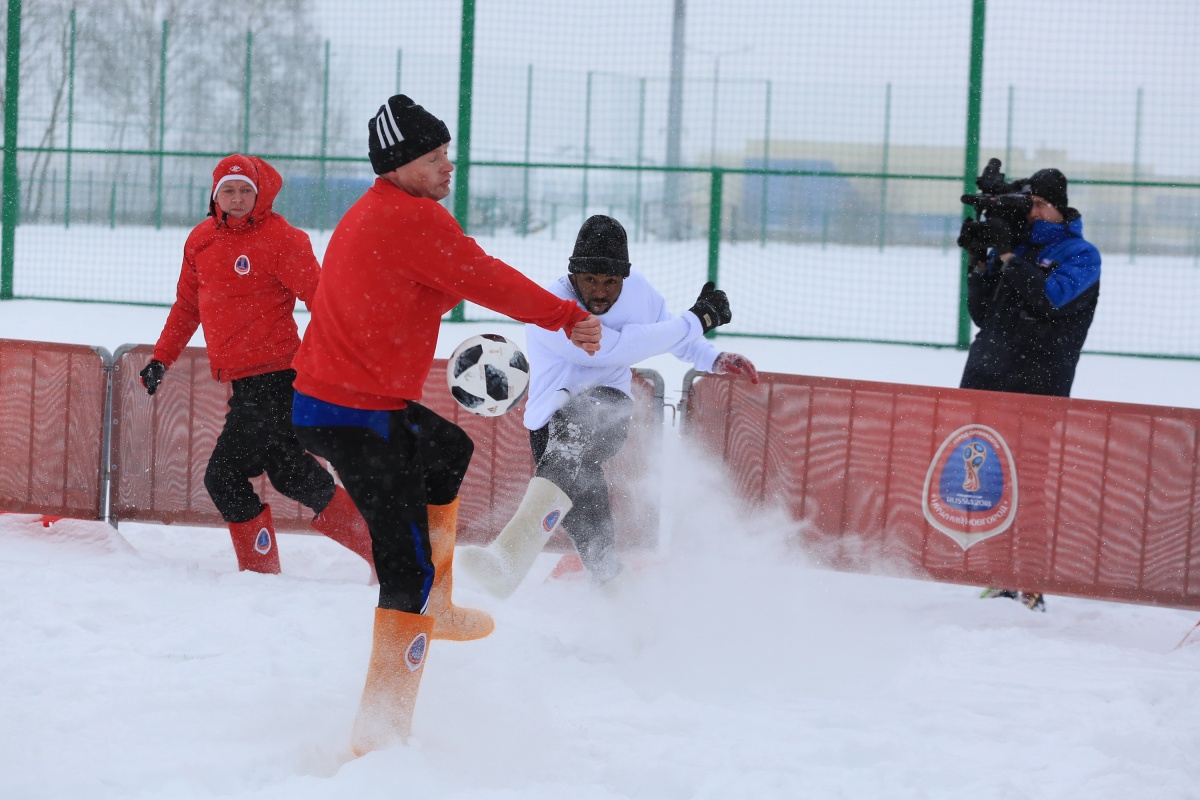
(715,202)
(162,125)
(1137,159)
(641,139)
(1008,132)
(112,206)
(70,122)
(10,204)
(466,82)
(399,63)
(587,142)
(528,132)
(971,153)
(762,236)
(712,134)
(887,135)
(246,94)
(325,145)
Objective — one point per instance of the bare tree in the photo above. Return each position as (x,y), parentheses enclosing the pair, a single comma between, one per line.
(286,70)
(171,74)
(141,64)
(45,69)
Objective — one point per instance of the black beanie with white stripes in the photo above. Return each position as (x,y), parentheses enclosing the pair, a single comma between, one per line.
(402,131)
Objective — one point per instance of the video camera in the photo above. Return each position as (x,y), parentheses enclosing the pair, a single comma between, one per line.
(997,200)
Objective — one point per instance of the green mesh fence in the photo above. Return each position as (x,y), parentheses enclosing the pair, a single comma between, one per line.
(809,156)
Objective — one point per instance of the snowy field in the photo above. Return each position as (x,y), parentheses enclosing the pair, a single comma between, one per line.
(141,664)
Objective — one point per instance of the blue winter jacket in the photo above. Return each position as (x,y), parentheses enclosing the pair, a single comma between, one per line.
(1034,312)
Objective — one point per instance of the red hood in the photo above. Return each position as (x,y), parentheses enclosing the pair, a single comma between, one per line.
(261,174)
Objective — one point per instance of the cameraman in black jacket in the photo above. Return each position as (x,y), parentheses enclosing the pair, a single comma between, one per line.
(1032,288)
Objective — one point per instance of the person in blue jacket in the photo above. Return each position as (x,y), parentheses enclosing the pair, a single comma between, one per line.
(1034,297)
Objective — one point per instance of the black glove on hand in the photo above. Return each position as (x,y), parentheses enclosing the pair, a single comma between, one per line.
(969,236)
(997,234)
(968,239)
(712,307)
(977,237)
(152,375)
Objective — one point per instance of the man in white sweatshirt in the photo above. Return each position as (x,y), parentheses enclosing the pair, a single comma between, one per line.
(579,409)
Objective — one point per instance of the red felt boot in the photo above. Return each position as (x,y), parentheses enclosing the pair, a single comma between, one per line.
(254,543)
(341,522)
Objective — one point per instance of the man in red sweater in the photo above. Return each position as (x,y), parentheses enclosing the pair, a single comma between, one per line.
(396,262)
(243,268)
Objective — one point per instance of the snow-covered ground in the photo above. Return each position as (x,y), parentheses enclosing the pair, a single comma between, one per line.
(140,663)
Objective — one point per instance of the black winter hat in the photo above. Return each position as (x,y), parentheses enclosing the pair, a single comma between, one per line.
(402,131)
(1050,185)
(601,248)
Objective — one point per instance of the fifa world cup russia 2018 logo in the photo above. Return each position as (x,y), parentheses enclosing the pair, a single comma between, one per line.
(970,489)
(974,454)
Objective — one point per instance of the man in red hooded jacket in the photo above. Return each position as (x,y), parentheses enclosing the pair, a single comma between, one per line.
(398,261)
(243,268)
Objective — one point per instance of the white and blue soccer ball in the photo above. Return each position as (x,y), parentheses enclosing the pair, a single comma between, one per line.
(488,374)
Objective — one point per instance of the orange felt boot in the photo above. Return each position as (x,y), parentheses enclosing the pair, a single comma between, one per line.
(254,543)
(450,621)
(341,522)
(393,679)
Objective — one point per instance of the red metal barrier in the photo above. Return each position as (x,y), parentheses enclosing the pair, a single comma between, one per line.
(52,428)
(162,444)
(1046,494)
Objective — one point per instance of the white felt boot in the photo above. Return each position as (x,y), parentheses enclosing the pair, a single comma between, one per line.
(501,566)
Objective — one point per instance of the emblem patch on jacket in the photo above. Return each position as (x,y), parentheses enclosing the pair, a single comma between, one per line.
(242,265)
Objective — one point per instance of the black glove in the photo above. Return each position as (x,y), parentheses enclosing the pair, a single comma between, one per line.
(712,307)
(980,236)
(968,240)
(152,375)
(998,235)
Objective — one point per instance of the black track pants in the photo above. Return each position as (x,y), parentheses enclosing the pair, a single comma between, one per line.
(258,437)
(570,451)
(421,462)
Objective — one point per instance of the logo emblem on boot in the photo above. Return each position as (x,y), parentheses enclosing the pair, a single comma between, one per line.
(262,542)
(415,655)
(551,519)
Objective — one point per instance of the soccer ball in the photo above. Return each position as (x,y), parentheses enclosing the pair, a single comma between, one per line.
(487,374)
